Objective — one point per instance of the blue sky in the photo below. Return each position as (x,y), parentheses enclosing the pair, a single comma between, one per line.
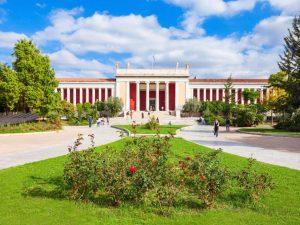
(216,37)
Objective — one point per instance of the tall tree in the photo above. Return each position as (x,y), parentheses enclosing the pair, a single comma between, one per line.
(36,77)
(229,96)
(290,63)
(9,89)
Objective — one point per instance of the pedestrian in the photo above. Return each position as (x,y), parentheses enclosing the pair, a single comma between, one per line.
(143,115)
(99,122)
(107,120)
(90,120)
(227,124)
(149,113)
(157,120)
(216,127)
(130,114)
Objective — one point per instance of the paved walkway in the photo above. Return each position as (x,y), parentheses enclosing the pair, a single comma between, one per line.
(283,151)
(18,149)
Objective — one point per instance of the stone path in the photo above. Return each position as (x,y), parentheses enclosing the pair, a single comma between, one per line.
(283,151)
(18,149)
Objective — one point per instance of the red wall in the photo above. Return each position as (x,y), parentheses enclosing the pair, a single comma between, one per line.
(84,95)
(143,100)
(214,94)
(195,93)
(90,95)
(65,94)
(201,94)
(208,94)
(132,89)
(162,100)
(239,96)
(102,94)
(171,96)
(220,95)
(109,92)
(77,96)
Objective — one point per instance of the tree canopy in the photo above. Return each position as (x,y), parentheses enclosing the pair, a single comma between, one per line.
(30,84)
(290,64)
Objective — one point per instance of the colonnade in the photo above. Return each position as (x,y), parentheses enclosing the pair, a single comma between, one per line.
(101,95)
(157,99)
(238,94)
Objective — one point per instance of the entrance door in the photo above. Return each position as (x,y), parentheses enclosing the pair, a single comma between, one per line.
(152,104)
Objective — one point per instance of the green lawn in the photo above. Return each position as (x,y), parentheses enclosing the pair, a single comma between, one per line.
(47,206)
(163,129)
(271,131)
(29,127)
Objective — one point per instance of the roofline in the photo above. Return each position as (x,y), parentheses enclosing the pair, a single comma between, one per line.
(249,80)
(84,79)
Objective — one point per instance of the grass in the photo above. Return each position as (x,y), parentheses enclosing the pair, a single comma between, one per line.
(47,206)
(29,127)
(271,131)
(142,129)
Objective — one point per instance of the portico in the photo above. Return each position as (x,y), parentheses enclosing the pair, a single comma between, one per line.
(152,89)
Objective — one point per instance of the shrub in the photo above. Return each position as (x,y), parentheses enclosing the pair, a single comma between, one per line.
(140,168)
(152,124)
(252,183)
(191,106)
(112,107)
(144,172)
(81,172)
(292,123)
(205,176)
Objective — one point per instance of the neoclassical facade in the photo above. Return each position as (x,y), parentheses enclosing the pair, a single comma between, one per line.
(154,89)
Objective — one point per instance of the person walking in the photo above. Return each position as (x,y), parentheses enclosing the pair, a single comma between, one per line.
(227,124)
(216,128)
(107,120)
(90,120)
(143,115)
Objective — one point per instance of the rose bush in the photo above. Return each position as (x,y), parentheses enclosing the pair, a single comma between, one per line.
(144,171)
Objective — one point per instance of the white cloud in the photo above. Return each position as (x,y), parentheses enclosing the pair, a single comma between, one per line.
(197,10)
(143,37)
(8,39)
(67,64)
(288,7)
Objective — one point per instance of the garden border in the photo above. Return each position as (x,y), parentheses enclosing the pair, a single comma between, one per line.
(264,134)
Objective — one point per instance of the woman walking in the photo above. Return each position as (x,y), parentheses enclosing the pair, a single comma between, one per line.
(216,128)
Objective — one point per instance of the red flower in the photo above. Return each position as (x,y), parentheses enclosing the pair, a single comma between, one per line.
(132,169)
(188,158)
(202,178)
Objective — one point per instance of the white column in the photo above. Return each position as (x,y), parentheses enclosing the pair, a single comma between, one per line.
(137,96)
(68,94)
(198,94)
(147,95)
(210,94)
(87,94)
(80,95)
(242,96)
(167,96)
(204,94)
(261,93)
(94,96)
(157,96)
(106,94)
(127,96)
(217,94)
(236,95)
(255,101)
(74,96)
(62,94)
(176,96)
